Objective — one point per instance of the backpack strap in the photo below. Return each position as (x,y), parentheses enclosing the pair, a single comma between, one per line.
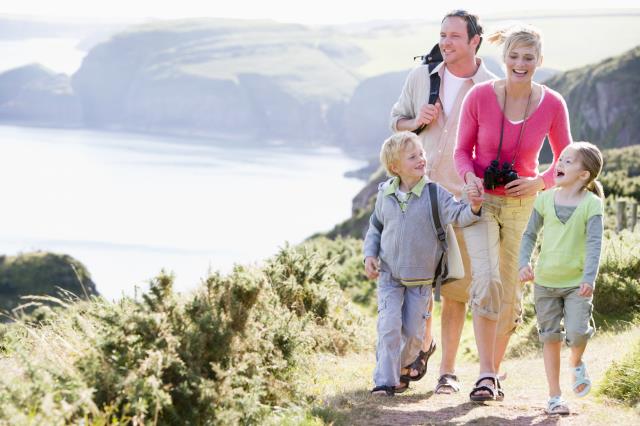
(441,269)
(434,91)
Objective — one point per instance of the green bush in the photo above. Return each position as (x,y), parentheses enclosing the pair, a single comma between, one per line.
(226,354)
(618,283)
(622,379)
(41,273)
(347,265)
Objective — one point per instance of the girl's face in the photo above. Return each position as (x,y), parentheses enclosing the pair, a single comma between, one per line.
(521,63)
(569,169)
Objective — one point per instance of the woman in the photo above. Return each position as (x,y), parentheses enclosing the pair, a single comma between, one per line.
(503,125)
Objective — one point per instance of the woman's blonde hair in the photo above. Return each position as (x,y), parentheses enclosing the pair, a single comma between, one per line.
(393,147)
(515,36)
(591,159)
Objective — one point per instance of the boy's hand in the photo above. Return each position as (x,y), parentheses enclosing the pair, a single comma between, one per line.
(586,290)
(372,267)
(474,196)
(526,273)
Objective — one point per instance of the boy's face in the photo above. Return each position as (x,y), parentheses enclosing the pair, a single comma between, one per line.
(412,164)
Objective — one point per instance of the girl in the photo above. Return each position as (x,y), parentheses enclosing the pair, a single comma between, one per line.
(565,274)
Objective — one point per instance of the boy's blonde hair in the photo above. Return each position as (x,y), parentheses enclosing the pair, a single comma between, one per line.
(393,147)
(516,36)
(592,161)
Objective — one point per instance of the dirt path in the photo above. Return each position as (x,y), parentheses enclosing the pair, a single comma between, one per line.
(343,383)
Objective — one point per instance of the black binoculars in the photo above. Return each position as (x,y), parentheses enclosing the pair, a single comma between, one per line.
(494,176)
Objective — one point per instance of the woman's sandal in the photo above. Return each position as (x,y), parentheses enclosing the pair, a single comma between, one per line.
(495,392)
(447,384)
(557,405)
(581,378)
(420,364)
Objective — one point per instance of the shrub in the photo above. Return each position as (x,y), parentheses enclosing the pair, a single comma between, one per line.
(226,354)
(622,379)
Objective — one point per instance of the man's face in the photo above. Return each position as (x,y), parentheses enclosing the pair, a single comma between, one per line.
(454,41)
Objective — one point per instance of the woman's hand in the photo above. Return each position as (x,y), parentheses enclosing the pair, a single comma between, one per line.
(473,196)
(474,181)
(526,273)
(524,187)
(371,267)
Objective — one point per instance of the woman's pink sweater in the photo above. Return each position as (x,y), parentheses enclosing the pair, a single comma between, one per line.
(479,134)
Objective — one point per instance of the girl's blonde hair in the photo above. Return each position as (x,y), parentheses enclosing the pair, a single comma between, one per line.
(591,159)
(393,147)
(515,36)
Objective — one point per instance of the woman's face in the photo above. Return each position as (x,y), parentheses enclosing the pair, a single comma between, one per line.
(521,63)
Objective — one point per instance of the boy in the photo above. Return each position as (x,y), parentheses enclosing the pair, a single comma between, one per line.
(401,249)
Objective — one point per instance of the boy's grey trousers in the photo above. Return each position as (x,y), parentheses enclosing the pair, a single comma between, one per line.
(402,312)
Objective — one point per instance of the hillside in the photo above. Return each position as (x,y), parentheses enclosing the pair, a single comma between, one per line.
(604,100)
(33,93)
(207,76)
(41,274)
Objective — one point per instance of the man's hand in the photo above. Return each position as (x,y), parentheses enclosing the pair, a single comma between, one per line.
(526,273)
(427,115)
(371,267)
(586,290)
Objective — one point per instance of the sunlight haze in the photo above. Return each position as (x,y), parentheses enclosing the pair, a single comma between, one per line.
(326,12)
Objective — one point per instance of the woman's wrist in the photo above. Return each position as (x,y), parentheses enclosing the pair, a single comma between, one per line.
(469,176)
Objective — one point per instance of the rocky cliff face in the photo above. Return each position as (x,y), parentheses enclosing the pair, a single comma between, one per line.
(604,100)
(262,78)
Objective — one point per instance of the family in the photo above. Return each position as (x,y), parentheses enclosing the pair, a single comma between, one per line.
(473,154)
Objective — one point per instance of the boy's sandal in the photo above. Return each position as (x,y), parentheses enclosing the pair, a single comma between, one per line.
(402,387)
(494,392)
(447,384)
(390,390)
(581,378)
(557,405)
(420,364)
(383,391)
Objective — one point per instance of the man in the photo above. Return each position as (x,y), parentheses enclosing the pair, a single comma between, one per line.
(460,38)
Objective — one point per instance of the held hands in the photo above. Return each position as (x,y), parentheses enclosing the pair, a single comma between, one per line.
(524,187)
(427,114)
(526,273)
(474,189)
(586,290)
(371,267)
(474,196)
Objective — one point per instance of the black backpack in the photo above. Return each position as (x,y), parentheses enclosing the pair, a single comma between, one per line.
(432,60)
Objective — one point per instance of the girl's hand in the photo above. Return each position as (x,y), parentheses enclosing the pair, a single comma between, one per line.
(372,267)
(524,187)
(526,273)
(586,290)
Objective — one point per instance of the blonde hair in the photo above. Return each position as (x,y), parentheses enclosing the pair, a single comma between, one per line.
(515,36)
(393,147)
(591,159)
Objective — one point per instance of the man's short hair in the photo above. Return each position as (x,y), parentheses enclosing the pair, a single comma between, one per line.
(394,146)
(473,23)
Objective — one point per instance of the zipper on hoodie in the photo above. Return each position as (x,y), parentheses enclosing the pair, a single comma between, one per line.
(400,235)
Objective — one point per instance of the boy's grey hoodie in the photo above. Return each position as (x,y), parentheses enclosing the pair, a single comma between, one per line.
(407,244)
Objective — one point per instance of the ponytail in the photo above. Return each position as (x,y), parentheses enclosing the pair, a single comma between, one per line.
(596,187)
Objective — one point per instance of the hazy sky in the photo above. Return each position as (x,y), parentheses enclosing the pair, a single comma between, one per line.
(317,12)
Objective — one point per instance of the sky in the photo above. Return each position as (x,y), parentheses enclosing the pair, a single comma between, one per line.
(311,13)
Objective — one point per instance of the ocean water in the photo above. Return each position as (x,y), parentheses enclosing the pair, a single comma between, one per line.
(129,205)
